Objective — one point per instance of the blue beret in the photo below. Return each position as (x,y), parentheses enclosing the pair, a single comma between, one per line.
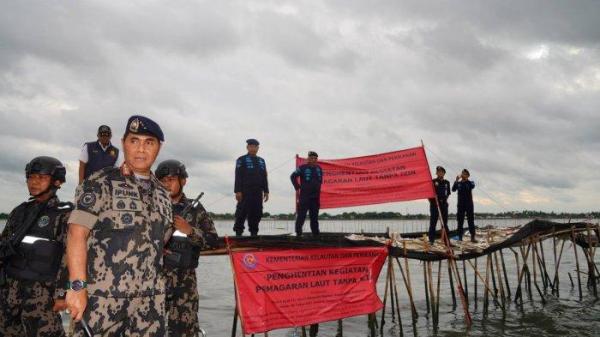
(252,141)
(144,126)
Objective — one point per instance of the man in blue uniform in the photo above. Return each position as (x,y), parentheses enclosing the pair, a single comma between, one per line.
(464,186)
(97,155)
(32,265)
(251,189)
(442,190)
(307,180)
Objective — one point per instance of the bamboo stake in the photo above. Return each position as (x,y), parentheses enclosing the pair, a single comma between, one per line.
(493,275)
(397,300)
(410,292)
(466,282)
(556,266)
(425,286)
(340,329)
(475,283)
(432,298)
(485,283)
(591,264)
(387,282)
(505,274)
(437,303)
(502,294)
(450,278)
(576,263)
(522,271)
(407,283)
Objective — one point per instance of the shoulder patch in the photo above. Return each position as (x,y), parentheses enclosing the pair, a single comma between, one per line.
(87,199)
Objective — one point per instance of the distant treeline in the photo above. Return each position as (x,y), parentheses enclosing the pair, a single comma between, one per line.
(400,216)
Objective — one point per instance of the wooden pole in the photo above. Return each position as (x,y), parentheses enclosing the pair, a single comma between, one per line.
(407,283)
(505,274)
(475,283)
(426,286)
(396,298)
(576,262)
(385,295)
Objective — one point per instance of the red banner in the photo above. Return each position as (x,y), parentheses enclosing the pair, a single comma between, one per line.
(289,288)
(393,176)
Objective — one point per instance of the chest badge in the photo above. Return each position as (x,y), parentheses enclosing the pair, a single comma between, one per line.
(127,218)
(43,221)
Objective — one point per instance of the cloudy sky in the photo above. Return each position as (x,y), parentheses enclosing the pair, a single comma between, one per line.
(508,89)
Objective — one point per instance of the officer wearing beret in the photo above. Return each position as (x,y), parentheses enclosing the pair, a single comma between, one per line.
(195,231)
(251,188)
(99,154)
(32,265)
(116,236)
(442,190)
(307,180)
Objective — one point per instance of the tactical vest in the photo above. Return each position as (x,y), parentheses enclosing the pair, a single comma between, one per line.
(39,260)
(183,254)
(98,158)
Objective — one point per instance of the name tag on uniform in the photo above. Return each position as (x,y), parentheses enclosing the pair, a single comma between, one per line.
(32,239)
(179,234)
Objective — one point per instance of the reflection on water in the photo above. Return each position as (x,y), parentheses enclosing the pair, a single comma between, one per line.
(564,316)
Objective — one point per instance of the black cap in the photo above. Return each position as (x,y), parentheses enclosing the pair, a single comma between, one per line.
(440,168)
(144,126)
(252,141)
(104,129)
(46,166)
(171,167)
(312,154)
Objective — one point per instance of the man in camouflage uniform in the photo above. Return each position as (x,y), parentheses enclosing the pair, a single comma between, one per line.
(115,243)
(32,252)
(195,231)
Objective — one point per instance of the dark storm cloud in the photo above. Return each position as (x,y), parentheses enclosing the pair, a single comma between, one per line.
(508,89)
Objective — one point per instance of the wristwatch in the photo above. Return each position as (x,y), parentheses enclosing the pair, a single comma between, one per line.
(76,285)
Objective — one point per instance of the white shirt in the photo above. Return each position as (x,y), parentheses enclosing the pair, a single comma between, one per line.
(83,156)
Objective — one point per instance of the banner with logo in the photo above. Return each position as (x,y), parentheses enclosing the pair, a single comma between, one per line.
(288,288)
(394,176)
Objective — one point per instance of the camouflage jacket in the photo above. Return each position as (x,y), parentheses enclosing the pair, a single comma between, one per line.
(129,224)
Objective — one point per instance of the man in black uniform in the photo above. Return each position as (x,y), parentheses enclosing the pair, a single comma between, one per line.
(251,188)
(98,154)
(195,231)
(464,186)
(442,190)
(310,176)
(32,266)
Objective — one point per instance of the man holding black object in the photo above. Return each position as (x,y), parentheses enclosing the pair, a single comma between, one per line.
(32,266)
(195,231)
